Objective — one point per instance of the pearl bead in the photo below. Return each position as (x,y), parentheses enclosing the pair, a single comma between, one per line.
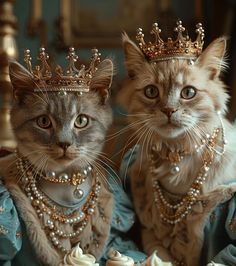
(78,193)
(90,211)
(42,204)
(85,172)
(62,93)
(63,177)
(175,169)
(51,174)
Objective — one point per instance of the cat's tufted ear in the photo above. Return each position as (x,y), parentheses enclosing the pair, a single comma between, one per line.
(134,58)
(21,79)
(102,79)
(212,58)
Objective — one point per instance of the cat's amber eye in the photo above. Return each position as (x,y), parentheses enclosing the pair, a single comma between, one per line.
(81,121)
(44,121)
(151,91)
(188,92)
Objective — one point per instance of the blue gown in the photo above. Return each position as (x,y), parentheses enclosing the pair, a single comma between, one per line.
(218,223)
(16,248)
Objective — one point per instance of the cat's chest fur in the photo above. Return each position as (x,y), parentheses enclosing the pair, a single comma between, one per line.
(173,241)
(175,182)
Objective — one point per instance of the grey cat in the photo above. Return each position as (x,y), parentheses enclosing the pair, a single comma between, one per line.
(56,178)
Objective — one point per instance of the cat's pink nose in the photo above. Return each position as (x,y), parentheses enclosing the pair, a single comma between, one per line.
(168,111)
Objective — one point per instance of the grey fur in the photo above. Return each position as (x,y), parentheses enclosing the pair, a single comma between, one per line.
(36,143)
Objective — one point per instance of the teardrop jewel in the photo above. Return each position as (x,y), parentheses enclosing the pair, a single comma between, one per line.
(175,169)
(78,193)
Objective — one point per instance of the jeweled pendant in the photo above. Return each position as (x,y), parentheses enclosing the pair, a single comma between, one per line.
(78,193)
(175,169)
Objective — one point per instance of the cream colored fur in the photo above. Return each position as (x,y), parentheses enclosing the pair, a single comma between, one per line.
(197,117)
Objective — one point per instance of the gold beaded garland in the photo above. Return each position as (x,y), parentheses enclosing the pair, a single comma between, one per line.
(174,213)
(77,219)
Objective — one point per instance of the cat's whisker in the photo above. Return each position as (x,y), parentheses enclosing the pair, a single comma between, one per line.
(101,173)
(102,155)
(40,163)
(200,133)
(123,130)
(149,141)
(142,150)
(37,162)
(146,132)
(18,173)
(41,99)
(140,135)
(44,164)
(130,140)
(44,94)
(101,169)
(107,167)
(134,115)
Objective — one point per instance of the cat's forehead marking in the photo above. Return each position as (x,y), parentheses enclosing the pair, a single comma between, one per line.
(64,105)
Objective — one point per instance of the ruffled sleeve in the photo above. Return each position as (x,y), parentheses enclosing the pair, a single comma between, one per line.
(123,219)
(10,231)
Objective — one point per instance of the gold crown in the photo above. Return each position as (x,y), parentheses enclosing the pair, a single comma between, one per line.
(73,79)
(182,47)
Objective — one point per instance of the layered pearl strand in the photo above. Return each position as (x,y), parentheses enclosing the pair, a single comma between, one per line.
(176,157)
(175,213)
(44,206)
(76,179)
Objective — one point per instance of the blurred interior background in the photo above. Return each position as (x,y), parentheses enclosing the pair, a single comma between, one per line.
(85,24)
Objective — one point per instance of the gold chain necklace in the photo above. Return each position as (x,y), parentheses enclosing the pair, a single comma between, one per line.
(76,179)
(174,213)
(43,205)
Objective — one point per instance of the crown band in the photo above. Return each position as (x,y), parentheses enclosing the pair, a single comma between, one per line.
(57,89)
(55,80)
(182,48)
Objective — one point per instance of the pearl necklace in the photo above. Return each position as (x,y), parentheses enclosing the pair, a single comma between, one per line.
(175,213)
(175,157)
(76,179)
(43,205)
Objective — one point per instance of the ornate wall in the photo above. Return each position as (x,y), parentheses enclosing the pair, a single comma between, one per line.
(57,24)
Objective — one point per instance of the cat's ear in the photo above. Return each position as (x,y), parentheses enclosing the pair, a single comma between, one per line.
(212,58)
(102,79)
(134,58)
(21,79)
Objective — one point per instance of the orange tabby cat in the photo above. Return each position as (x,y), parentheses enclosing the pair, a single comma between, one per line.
(183,179)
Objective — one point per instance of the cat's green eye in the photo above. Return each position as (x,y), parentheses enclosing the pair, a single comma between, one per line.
(151,91)
(188,92)
(81,121)
(44,121)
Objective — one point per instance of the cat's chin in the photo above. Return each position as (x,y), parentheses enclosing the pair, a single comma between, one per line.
(63,164)
(171,131)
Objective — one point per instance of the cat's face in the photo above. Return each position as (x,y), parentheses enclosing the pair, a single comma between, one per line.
(55,132)
(173,98)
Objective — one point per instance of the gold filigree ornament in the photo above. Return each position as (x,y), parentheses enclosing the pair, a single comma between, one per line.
(55,79)
(180,48)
